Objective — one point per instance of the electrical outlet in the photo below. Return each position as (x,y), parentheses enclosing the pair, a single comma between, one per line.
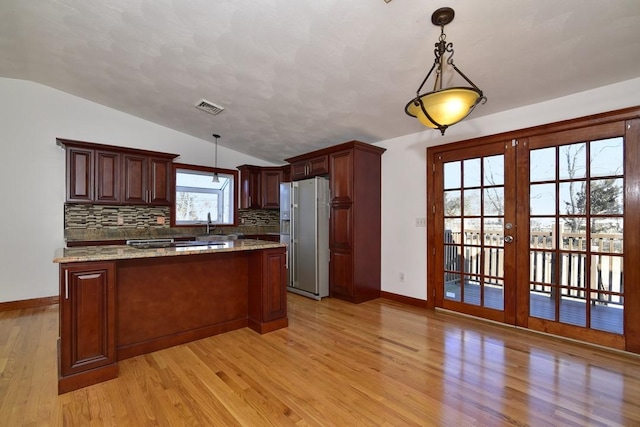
(421,222)
(120,220)
(160,220)
(401,276)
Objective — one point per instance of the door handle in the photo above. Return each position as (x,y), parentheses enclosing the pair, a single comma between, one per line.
(508,239)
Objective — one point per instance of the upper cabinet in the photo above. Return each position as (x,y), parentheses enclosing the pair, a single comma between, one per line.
(308,167)
(106,174)
(147,180)
(260,187)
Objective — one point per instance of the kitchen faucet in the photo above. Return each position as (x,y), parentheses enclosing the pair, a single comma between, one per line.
(208,222)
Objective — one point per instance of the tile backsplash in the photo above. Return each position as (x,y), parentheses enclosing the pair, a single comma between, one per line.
(83,222)
(88,217)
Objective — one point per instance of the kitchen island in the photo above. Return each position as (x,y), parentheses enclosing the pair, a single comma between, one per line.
(119,301)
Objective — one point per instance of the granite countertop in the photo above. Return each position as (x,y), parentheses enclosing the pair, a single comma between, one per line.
(117,252)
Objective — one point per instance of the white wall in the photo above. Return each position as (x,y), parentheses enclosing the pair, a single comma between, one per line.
(33,168)
(404,174)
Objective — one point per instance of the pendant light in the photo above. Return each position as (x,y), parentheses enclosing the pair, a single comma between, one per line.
(442,108)
(215,160)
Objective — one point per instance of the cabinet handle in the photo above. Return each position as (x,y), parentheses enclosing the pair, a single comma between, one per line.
(66,284)
(249,202)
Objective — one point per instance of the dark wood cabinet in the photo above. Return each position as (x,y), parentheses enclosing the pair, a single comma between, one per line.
(355,224)
(260,187)
(106,174)
(286,173)
(309,167)
(87,343)
(270,186)
(146,180)
(249,187)
(107,177)
(268,290)
(354,170)
(80,174)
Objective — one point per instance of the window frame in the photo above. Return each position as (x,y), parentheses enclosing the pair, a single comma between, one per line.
(183,166)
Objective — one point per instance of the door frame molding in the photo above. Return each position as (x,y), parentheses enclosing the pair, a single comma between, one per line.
(632,200)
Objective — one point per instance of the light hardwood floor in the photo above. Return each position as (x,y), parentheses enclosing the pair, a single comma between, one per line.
(377,363)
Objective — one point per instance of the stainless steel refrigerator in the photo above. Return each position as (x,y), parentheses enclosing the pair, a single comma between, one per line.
(309,249)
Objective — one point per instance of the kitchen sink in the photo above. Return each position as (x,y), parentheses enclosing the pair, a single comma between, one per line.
(216,237)
(160,243)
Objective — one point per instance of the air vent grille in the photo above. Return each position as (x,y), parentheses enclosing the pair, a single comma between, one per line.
(209,107)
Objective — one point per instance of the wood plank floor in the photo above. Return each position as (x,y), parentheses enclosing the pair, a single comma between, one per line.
(338,364)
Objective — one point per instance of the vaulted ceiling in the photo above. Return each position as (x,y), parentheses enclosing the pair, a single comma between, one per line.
(294,76)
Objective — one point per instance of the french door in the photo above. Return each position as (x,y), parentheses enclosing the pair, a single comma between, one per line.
(476,215)
(530,231)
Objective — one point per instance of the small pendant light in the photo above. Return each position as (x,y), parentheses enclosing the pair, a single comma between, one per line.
(215,160)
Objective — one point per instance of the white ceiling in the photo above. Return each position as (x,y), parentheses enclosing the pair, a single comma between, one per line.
(298,75)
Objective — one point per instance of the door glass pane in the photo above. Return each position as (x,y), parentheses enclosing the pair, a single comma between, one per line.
(452,203)
(494,293)
(606,196)
(542,303)
(472,202)
(573,161)
(607,235)
(452,287)
(493,232)
(493,263)
(572,198)
(542,233)
(471,173)
(494,201)
(573,307)
(607,157)
(452,257)
(452,175)
(472,259)
(494,170)
(543,268)
(472,290)
(542,199)
(574,240)
(542,164)
(452,229)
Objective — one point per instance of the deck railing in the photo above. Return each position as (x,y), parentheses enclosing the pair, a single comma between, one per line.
(484,255)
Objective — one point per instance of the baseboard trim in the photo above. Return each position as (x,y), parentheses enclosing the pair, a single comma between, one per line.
(28,303)
(404,299)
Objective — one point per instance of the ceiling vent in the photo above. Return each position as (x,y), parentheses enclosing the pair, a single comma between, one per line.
(209,107)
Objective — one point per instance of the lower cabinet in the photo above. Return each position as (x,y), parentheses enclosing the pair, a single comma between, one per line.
(268,290)
(87,344)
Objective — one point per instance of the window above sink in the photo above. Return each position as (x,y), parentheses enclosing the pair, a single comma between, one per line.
(199,196)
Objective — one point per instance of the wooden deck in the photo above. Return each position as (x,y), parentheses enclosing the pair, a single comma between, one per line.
(608,318)
(379,363)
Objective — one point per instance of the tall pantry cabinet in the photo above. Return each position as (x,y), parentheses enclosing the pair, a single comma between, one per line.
(354,170)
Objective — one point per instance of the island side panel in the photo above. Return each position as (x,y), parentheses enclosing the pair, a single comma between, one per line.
(268,290)
(165,301)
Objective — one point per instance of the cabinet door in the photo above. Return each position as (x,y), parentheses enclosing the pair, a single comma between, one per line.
(250,187)
(342,176)
(341,273)
(298,170)
(274,291)
(87,316)
(318,166)
(271,189)
(286,173)
(160,191)
(135,175)
(107,177)
(341,227)
(80,175)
